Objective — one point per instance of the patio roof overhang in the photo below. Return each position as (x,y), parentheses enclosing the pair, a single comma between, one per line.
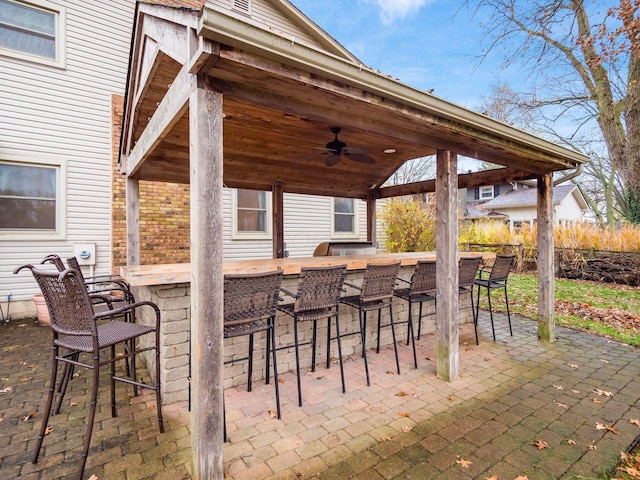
(281,99)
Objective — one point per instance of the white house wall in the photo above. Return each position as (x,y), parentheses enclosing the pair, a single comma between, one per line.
(568,210)
(307,222)
(65,113)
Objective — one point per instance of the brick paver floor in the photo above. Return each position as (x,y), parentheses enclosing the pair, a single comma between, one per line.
(511,396)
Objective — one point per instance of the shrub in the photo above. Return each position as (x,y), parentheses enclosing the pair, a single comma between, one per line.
(411,226)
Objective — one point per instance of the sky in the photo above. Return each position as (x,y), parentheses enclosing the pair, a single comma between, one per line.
(426,44)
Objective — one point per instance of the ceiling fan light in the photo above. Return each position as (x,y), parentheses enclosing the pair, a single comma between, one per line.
(389,150)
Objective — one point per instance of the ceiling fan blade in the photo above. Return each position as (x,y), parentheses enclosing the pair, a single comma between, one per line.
(314,155)
(360,158)
(355,150)
(332,160)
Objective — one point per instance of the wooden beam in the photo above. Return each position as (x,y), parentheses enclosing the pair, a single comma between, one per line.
(170,37)
(371,218)
(546,274)
(277,206)
(465,180)
(132,195)
(207,298)
(447,297)
(171,108)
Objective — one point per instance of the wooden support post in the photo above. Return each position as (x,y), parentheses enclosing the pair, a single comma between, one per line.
(546,274)
(132,194)
(205,156)
(277,204)
(447,297)
(371,218)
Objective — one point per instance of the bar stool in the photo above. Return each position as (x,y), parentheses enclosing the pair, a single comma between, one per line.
(76,330)
(317,297)
(467,271)
(422,288)
(250,302)
(498,276)
(376,293)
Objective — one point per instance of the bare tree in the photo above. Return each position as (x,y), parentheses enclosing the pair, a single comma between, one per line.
(584,58)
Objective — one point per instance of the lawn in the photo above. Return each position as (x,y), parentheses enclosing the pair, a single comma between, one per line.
(600,308)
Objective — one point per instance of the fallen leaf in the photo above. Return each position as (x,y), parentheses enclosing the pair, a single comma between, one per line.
(603,393)
(407,428)
(571,442)
(563,405)
(385,439)
(540,444)
(592,447)
(390,372)
(48,430)
(463,463)
(492,477)
(76,375)
(633,472)
(273,414)
(604,361)
(404,414)
(573,365)
(575,391)
(451,397)
(93,477)
(281,380)
(6,390)
(635,421)
(401,394)
(521,477)
(30,416)
(602,426)
(558,387)
(595,400)
(73,404)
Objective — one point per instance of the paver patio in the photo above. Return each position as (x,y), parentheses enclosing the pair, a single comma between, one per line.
(510,394)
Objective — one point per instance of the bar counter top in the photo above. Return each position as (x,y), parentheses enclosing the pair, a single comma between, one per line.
(168,274)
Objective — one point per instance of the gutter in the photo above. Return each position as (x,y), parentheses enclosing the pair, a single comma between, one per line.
(570,176)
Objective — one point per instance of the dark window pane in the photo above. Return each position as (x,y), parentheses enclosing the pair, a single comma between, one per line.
(251,221)
(24,181)
(343,205)
(344,223)
(251,199)
(27,214)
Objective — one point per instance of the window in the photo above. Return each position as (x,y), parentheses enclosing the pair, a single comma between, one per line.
(252,217)
(32,30)
(486,193)
(344,217)
(31,200)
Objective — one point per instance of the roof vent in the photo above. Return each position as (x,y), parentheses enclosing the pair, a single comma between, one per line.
(242,5)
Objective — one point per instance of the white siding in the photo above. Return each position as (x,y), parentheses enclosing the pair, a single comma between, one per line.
(568,210)
(307,222)
(48,112)
(266,16)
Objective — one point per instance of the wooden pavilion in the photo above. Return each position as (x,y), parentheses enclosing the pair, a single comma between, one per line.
(239,94)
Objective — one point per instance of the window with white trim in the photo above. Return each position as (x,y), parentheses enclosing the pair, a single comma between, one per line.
(486,192)
(31,200)
(252,214)
(344,222)
(32,30)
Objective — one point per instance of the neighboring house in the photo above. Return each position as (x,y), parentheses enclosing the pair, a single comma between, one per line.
(516,204)
(63,71)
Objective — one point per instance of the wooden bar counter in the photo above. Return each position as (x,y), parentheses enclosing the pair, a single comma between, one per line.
(169,287)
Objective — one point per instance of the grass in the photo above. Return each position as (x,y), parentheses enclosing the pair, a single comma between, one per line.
(603,309)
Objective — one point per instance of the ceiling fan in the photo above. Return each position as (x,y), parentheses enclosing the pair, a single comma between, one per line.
(336,149)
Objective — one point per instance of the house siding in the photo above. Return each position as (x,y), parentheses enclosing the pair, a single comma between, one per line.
(49,113)
(266,16)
